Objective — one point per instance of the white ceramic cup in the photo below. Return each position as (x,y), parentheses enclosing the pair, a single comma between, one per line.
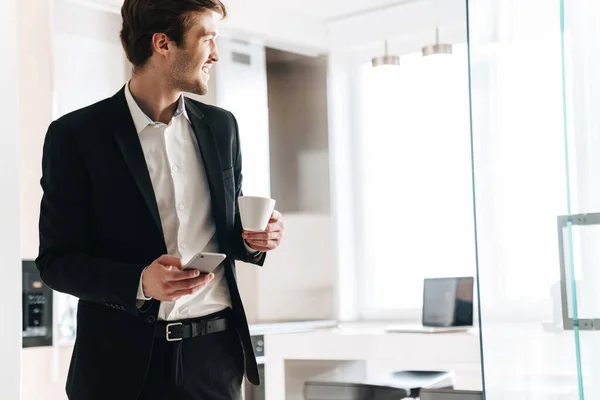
(255,212)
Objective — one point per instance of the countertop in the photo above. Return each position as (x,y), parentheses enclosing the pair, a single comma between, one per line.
(264,328)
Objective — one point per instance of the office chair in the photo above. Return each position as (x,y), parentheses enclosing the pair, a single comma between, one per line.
(352,391)
(394,386)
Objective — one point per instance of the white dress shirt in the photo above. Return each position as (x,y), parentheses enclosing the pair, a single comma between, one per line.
(183,197)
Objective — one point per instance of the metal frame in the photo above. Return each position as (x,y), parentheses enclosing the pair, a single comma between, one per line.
(563,221)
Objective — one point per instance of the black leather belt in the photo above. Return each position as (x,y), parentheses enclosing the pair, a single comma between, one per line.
(175,331)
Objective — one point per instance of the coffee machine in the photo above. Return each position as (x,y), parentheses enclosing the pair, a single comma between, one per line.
(37,308)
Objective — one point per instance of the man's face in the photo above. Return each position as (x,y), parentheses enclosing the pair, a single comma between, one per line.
(189,69)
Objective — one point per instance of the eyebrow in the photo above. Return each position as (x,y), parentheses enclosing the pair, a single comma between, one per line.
(211,33)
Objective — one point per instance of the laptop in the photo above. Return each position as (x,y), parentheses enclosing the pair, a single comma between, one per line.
(447,307)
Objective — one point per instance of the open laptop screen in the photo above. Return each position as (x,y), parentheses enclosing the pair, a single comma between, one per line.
(448,302)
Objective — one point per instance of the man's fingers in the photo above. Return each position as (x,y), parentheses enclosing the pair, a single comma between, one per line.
(273,226)
(270,238)
(187,284)
(275,216)
(251,237)
(275,235)
(263,245)
(177,275)
(170,261)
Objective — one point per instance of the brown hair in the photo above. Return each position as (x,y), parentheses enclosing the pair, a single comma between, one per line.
(143,18)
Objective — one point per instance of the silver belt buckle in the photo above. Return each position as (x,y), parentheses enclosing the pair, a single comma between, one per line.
(168,333)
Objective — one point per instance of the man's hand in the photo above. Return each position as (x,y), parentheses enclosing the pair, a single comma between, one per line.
(270,239)
(165,281)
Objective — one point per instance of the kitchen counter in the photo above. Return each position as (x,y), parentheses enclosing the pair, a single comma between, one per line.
(363,351)
(277,327)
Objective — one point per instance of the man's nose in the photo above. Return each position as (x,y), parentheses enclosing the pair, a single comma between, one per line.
(214,55)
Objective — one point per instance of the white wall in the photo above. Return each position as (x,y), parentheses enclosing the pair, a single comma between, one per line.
(35,96)
(10,292)
(44,373)
(89,63)
(297,281)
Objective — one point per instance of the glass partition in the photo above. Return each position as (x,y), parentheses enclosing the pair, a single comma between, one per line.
(533,136)
(580,42)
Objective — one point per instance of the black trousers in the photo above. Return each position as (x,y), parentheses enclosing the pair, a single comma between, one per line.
(209,367)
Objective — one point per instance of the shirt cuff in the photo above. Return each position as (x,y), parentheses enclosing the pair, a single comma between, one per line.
(252,251)
(140,292)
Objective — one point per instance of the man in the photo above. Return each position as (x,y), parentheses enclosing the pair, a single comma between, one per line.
(132,186)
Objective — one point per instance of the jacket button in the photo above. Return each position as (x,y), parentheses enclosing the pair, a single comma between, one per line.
(151,319)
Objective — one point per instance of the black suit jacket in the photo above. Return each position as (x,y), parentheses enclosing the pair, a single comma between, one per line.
(100,227)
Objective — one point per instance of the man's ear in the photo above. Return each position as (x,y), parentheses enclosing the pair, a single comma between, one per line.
(160,43)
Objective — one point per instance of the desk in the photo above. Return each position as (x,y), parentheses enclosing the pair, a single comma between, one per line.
(364,351)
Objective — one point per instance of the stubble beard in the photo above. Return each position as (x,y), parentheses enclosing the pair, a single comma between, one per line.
(184,76)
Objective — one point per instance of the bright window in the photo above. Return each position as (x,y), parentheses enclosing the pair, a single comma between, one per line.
(415,194)
(415,215)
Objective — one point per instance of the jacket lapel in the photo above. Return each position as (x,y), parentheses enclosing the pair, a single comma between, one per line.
(131,149)
(212,164)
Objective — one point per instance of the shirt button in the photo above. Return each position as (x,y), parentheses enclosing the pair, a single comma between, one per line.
(175,168)
(151,319)
(181,207)
(183,245)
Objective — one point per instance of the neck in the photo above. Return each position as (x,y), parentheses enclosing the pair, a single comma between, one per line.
(156,99)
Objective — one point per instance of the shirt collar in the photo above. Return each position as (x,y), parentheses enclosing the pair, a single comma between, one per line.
(141,120)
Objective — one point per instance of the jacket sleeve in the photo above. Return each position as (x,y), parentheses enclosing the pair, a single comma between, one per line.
(65,258)
(242,252)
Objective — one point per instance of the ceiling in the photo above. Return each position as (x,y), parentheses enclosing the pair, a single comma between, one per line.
(331,9)
(323,10)
(313,27)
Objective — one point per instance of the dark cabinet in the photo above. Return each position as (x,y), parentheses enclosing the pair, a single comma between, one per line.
(37,308)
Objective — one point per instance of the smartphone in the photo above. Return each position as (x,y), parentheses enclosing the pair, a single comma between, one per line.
(205,262)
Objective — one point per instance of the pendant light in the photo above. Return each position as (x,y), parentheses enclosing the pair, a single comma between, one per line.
(385,59)
(437,48)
